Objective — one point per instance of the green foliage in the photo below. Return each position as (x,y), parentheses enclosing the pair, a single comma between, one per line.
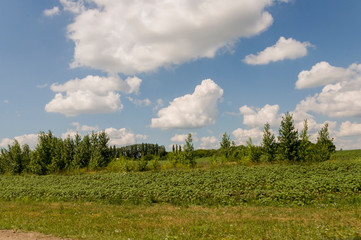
(136,151)
(328,182)
(142,164)
(288,139)
(305,146)
(253,152)
(347,155)
(268,143)
(154,163)
(324,144)
(188,153)
(13,158)
(226,146)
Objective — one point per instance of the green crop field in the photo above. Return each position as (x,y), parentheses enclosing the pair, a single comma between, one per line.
(264,201)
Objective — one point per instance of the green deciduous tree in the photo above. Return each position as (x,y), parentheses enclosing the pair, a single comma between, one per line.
(13,157)
(253,152)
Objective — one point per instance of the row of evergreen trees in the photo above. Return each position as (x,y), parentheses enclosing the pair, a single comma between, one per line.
(292,145)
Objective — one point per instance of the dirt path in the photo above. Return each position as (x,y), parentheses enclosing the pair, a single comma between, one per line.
(18,235)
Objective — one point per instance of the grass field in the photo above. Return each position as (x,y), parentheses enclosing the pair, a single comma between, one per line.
(266,201)
(104,221)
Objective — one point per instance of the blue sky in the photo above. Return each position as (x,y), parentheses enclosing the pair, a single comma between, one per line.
(153,71)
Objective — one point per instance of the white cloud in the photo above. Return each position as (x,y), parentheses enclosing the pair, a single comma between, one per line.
(99,85)
(84,128)
(42,85)
(139,102)
(192,110)
(6,101)
(209,143)
(257,117)
(283,49)
(52,12)
(92,94)
(180,138)
(350,143)
(69,133)
(131,85)
(80,129)
(349,129)
(141,137)
(139,36)
(323,73)
(342,99)
(159,104)
(73,6)
(242,135)
(84,102)
(29,139)
(120,137)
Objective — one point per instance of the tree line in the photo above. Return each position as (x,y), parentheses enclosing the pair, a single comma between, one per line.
(92,152)
(292,146)
(57,155)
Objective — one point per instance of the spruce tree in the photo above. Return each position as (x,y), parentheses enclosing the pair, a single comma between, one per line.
(268,143)
(324,144)
(188,152)
(288,139)
(226,146)
(304,150)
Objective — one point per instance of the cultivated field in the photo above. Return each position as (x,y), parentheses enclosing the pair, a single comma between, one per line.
(262,201)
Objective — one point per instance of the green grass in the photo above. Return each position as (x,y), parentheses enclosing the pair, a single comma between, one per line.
(159,221)
(347,155)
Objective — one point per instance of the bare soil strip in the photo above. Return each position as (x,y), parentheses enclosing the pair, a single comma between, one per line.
(18,235)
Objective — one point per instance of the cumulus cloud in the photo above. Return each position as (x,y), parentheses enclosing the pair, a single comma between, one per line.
(92,94)
(84,128)
(69,133)
(349,129)
(180,138)
(121,137)
(140,36)
(29,139)
(73,6)
(257,117)
(141,137)
(299,116)
(283,49)
(118,137)
(192,110)
(209,143)
(51,12)
(80,129)
(323,73)
(242,135)
(350,143)
(342,99)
